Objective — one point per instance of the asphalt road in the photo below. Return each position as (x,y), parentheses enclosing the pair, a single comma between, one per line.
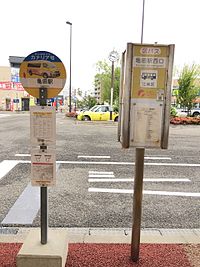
(95,177)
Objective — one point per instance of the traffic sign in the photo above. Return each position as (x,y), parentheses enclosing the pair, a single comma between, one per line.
(42,69)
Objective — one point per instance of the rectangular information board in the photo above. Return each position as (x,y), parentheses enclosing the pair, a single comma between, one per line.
(145,95)
(148,119)
(43,125)
(43,167)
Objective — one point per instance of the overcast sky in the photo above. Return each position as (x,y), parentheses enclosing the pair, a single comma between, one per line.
(98,28)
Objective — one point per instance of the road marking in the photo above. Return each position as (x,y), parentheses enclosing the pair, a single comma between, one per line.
(25,208)
(6,166)
(166,158)
(4,115)
(101,175)
(128,163)
(166,193)
(118,180)
(172,164)
(98,172)
(145,192)
(22,155)
(116,163)
(94,157)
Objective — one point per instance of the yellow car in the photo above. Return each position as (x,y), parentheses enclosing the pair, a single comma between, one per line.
(98,113)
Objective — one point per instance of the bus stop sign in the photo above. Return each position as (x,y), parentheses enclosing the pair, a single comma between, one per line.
(42,69)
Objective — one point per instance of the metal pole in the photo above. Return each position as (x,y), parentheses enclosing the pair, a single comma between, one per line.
(43,189)
(111,91)
(137,204)
(70,68)
(43,214)
(138,187)
(142,21)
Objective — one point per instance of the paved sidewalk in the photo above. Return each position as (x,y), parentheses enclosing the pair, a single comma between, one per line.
(111,247)
(111,235)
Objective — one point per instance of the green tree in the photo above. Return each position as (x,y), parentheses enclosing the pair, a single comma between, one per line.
(87,102)
(188,86)
(103,77)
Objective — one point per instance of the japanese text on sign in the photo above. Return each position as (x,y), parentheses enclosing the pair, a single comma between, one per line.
(154,62)
(42,56)
(43,167)
(148,130)
(43,125)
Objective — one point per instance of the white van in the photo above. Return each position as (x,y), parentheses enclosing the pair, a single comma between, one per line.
(44,69)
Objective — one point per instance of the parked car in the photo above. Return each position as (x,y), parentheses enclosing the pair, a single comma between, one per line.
(183,112)
(98,113)
(195,112)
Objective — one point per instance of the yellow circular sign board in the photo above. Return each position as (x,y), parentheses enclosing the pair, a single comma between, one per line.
(40,70)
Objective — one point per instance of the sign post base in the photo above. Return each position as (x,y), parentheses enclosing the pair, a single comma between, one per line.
(53,254)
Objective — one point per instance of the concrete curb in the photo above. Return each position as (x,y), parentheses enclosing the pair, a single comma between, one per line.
(110,235)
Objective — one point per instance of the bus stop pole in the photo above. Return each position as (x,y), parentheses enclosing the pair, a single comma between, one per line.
(43,189)
(44,219)
(137,204)
(138,187)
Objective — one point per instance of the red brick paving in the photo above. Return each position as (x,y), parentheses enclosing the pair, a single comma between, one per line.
(110,255)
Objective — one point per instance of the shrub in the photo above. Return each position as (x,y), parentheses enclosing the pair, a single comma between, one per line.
(71,114)
(173,112)
(185,120)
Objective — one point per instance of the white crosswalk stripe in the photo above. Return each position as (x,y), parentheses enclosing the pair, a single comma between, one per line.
(103,179)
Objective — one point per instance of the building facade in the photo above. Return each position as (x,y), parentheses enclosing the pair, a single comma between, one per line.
(13,97)
(98,93)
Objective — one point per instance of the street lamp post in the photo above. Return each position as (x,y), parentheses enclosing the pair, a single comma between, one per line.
(70,68)
(142,29)
(113,56)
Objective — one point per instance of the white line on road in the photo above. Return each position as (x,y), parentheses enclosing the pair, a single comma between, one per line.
(117,163)
(127,163)
(4,115)
(6,166)
(101,175)
(173,164)
(118,180)
(166,158)
(22,155)
(98,172)
(25,208)
(145,192)
(94,157)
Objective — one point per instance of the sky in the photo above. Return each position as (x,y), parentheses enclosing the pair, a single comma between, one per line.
(98,27)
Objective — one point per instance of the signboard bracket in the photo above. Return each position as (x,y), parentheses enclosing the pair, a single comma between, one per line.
(43,96)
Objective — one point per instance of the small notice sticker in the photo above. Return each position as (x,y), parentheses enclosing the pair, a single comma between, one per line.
(43,166)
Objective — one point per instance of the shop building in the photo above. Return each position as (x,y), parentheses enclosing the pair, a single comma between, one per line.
(13,97)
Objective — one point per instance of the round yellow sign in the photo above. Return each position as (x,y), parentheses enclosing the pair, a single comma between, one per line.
(40,70)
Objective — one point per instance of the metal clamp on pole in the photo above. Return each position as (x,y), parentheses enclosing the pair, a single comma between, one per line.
(43,96)
(43,189)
